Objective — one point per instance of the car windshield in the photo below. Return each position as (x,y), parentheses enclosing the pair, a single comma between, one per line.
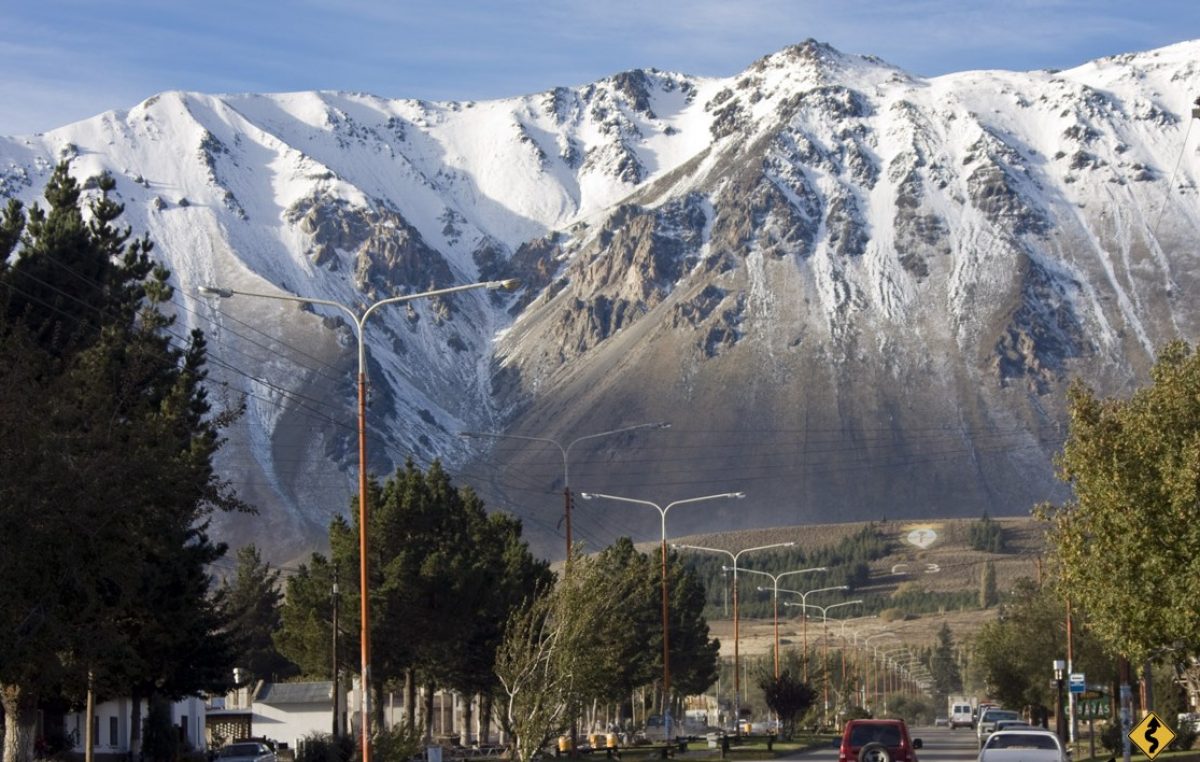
(1001,714)
(1022,741)
(888,735)
(240,750)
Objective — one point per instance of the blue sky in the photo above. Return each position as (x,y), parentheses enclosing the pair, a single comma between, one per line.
(64,60)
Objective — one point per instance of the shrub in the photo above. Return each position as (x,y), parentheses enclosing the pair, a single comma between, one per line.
(986,535)
(398,744)
(1111,737)
(324,747)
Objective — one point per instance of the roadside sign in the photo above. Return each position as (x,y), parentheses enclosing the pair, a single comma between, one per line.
(1151,735)
(1076,683)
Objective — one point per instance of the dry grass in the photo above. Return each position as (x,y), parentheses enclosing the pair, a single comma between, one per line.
(946,565)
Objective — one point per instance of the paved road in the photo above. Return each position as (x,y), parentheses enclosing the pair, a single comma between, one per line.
(940,745)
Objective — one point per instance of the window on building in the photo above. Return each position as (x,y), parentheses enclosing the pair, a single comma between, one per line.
(183,728)
(113,739)
(96,730)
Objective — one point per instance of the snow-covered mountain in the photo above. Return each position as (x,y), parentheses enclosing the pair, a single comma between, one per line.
(854,293)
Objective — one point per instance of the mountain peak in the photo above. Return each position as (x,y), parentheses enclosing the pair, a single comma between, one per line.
(874,286)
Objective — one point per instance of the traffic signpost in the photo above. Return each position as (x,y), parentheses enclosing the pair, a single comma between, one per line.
(1151,735)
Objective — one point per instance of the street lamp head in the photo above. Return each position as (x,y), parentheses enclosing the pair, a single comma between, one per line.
(510,284)
(587,495)
(762,589)
(736,495)
(217,291)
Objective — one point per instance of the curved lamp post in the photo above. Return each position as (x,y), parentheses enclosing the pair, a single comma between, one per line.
(566,451)
(359,319)
(737,717)
(825,645)
(803,602)
(665,606)
(873,666)
(775,604)
(854,633)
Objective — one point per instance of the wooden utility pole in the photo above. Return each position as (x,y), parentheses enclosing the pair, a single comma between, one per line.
(337,708)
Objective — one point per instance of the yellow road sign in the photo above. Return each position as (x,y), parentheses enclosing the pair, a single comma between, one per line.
(1151,735)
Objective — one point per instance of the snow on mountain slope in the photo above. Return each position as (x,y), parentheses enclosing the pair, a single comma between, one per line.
(874,286)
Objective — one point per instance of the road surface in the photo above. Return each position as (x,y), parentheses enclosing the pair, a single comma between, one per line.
(940,745)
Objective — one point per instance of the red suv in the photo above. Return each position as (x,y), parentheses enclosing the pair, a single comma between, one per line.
(877,741)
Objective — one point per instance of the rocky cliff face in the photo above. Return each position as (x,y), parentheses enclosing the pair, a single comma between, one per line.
(854,293)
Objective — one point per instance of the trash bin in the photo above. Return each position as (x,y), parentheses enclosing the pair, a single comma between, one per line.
(564,744)
(714,739)
(433,754)
(610,740)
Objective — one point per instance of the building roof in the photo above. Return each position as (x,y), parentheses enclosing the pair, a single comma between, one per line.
(296,693)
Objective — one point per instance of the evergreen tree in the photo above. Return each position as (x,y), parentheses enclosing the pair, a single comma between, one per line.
(943,666)
(252,604)
(107,438)
(986,535)
(988,596)
(694,655)
(306,621)
(444,578)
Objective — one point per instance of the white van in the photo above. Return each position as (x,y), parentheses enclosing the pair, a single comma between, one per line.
(960,716)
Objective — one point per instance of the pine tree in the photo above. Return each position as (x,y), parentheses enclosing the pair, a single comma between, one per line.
(107,438)
(943,666)
(987,586)
(251,601)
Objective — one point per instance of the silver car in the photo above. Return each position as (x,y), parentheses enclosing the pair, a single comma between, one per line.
(988,720)
(1024,745)
(246,751)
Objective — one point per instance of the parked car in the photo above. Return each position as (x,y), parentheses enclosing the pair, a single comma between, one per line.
(1023,745)
(246,751)
(1010,725)
(988,719)
(877,741)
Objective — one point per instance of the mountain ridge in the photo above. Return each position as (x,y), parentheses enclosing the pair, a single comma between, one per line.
(851,290)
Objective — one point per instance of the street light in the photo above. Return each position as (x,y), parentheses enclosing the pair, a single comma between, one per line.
(360,320)
(824,644)
(1059,725)
(566,451)
(737,717)
(803,601)
(665,606)
(874,666)
(883,660)
(774,582)
(854,633)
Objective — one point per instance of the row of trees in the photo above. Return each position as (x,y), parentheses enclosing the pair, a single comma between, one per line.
(1124,549)
(848,562)
(107,438)
(445,577)
(458,602)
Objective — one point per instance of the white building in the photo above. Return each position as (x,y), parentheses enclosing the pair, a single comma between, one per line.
(111,726)
(287,712)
